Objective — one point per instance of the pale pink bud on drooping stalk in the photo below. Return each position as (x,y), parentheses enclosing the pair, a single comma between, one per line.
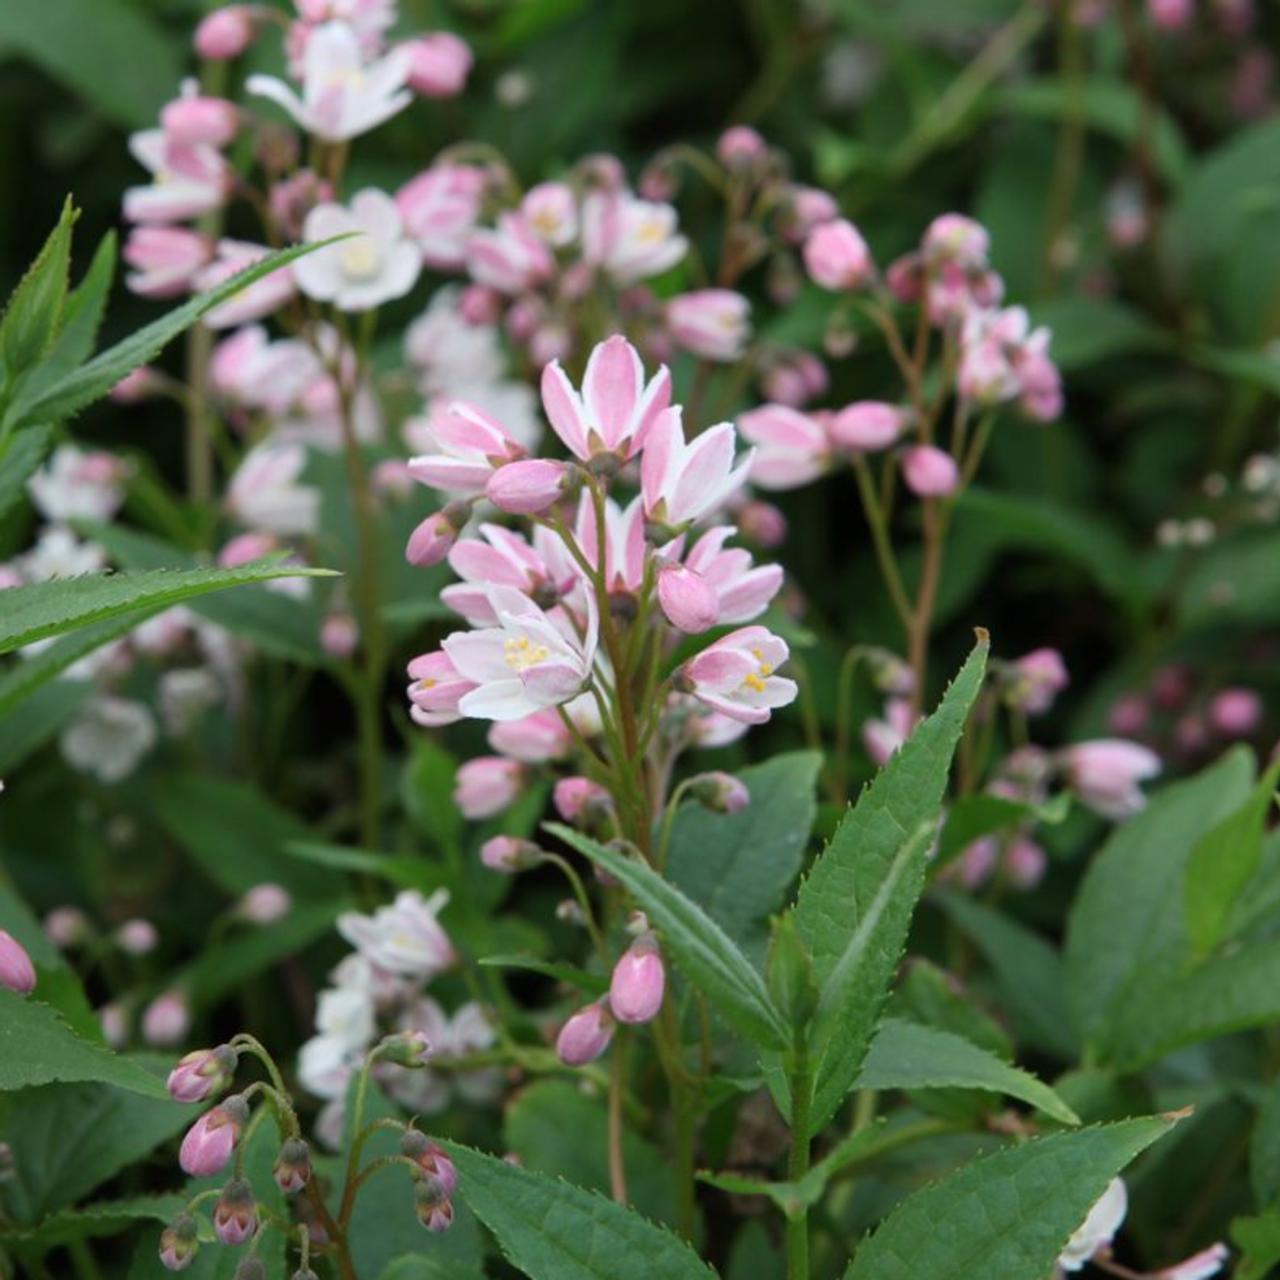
(741,147)
(688,600)
(867,425)
(339,635)
(235,1216)
(487,785)
(1035,680)
(527,488)
(509,854)
(581,801)
(953,238)
(433,539)
(137,937)
(638,982)
(265,903)
(930,472)
(1106,773)
(178,1244)
(720,792)
(586,1035)
(225,33)
(439,64)
(1235,713)
(166,1019)
(210,1141)
(16,970)
(202,1073)
(836,256)
(292,1169)
(66,927)
(439,1176)
(435,1215)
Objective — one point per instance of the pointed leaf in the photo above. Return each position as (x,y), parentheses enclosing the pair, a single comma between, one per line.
(34,311)
(20,457)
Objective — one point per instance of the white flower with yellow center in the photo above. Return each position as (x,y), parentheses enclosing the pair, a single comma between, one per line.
(531,660)
(376,263)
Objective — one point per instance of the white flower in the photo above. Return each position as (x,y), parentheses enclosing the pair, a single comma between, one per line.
(630,239)
(265,494)
(77,485)
(189,180)
(186,693)
(529,661)
(325,1064)
(404,938)
(342,96)
(1098,1229)
(346,1014)
(468,1031)
(58,553)
(261,298)
(378,263)
(109,738)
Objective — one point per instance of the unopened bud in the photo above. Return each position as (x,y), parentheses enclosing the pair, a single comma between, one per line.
(235,1216)
(439,1177)
(436,1217)
(292,1169)
(202,1073)
(585,1036)
(178,1243)
(720,792)
(638,983)
(250,1269)
(405,1049)
(509,854)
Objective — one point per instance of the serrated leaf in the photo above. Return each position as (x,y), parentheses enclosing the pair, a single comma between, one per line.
(92,381)
(34,311)
(739,866)
(855,906)
(37,1047)
(1222,863)
(99,1219)
(44,609)
(20,458)
(81,319)
(551,1230)
(906,1055)
(708,956)
(1126,931)
(1008,1214)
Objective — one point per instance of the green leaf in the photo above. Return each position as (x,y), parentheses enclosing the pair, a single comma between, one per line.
(93,380)
(1235,580)
(1087,330)
(557,1129)
(1127,929)
(1223,863)
(37,1047)
(591,984)
(906,1055)
(1264,1150)
(236,835)
(1007,1215)
(34,310)
(419,1266)
(44,713)
(98,1220)
(983,814)
(20,458)
(1029,971)
(1259,1242)
(708,956)
(44,609)
(855,906)
(739,866)
(70,1138)
(551,1230)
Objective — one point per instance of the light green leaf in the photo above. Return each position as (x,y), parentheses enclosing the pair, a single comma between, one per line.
(99,1219)
(708,956)
(591,984)
(44,713)
(906,1055)
(1223,863)
(1007,1215)
(551,1230)
(37,1047)
(20,457)
(44,609)
(34,310)
(1259,1242)
(422,1266)
(1127,929)
(739,866)
(855,906)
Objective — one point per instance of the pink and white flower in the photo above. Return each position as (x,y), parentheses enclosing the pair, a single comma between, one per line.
(736,675)
(436,688)
(404,938)
(742,589)
(551,211)
(165,260)
(502,558)
(252,302)
(509,257)
(472,447)
(680,482)
(265,492)
(440,208)
(1106,774)
(486,785)
(188,181)
(78,484)
(439,64)
(792,448)
(630,239)
(714,324)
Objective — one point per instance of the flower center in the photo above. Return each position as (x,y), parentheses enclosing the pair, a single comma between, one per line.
(361,259)
(764,670)
(521,653)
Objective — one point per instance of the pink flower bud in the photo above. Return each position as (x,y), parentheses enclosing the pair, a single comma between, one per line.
(197,121)
(953,238)
(836,256)
(339,635)
(1235,713)
(762,523)
(1191,733)
(225,33)
(114,1024)
(1171,15)
(638,983)
(1129,715)
(509,854)
(438,65)
(930,472)
(436,1216)
(1171,686)
(713,324)
(1036,680)
(720,792)
(867,425)
(66,926)
(438,1171)
(431,541)
(808,207)
(235,1216)
(487,785)
(265,903)
(244,548)
(392,478)
(741,147)
(1025,863)
(166,1020)
(165,260)
(585,1036)
(479,305)
(16,970)
(202,1073)
(526,488)
(688,600)
(210,1141)
(1106,774)
(135,387)
(579,799)
(137,937)
(1200,1266)
(292,1169)
(178,1244)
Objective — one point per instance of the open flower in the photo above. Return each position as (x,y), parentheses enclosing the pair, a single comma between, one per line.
(630,239)
(529,661)
(472,446)
(404,938)
(616,408)
(1098,1229)
(188,180)
(265,493)
(342,95)
(742,589)
(736,675)
(1106,773)
(540,571)
(714,324)
(791,447)
(682,482)
(376,264)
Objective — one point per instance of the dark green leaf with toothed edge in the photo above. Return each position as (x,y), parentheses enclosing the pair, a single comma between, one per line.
(855,906)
